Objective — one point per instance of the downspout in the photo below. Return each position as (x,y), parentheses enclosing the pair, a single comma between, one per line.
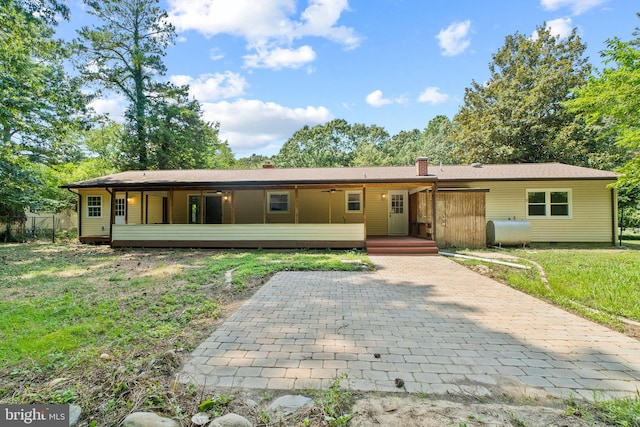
(79,212)
(614,217)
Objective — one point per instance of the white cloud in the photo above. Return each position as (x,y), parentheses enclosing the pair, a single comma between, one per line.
(215,54)
(454,39)
(213,87)
(266,25)
(279,58)
(560,27)
(255,126)
(113,106)
(376,99)
(577,6)
(432,95)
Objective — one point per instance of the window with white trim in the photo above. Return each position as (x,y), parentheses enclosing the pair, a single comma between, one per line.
(94,206)
(353,201)
(545,203)
(278,202)
(121,207)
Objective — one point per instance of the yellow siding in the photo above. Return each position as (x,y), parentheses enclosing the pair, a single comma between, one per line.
(590,205)
(154,210)
(313,206)
(248,206)
(134,207)
(377,211)
(180,207)
(95,226)
(239,232)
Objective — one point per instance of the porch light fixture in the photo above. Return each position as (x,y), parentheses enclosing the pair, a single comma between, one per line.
(383,196)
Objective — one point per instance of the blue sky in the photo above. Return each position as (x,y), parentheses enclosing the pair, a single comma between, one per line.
(265,68)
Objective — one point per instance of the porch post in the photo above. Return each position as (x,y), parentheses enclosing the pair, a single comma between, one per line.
(233,206)
(126,207)
(201,207)
(146,211)
(264,205)
(141,207)
(295,220)
(112,214)
(364,209)
(171,206)
(433,211)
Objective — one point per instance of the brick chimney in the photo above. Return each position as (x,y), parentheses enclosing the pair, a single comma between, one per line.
(422,166)
(267,165)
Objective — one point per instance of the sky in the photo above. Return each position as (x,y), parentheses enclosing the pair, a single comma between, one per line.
(264,69)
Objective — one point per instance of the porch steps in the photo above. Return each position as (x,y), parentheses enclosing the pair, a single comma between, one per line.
(401,246)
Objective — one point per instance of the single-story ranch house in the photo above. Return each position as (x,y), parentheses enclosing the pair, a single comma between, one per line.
(423,206)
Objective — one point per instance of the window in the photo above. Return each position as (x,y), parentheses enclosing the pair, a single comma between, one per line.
(194,209)
(548,203)
(397,203)
(353,199)
(120,209)
(94,206)
(278,202)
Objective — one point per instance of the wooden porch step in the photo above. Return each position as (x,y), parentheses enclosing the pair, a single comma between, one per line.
(401,245)
(395,250)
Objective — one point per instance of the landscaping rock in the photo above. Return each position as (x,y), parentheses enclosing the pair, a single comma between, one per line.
(290,404)
(231,420)
(148,419)
(74,414)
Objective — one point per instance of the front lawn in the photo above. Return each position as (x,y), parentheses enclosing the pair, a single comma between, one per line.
(600,283)
(102,328)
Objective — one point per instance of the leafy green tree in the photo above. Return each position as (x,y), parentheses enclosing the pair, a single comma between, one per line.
(518,114)
(124,54)
(39,103)
(611,100)
(330,144)
(254,161)
(178,137)
(369,142)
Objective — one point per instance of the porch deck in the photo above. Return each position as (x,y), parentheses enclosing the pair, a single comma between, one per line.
(400,245)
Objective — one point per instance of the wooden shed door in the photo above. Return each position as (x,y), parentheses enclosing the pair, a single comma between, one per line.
(460,219)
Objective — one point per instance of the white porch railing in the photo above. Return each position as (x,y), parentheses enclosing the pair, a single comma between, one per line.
(238,232)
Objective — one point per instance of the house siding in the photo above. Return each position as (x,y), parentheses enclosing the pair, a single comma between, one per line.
(249,206)
(591,211)
(95,226)
(154,209)
(377,211)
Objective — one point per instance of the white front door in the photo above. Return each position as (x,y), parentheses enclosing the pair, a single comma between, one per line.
(120,212)
(398,215)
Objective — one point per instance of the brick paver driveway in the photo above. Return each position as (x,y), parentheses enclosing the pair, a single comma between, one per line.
(426,320)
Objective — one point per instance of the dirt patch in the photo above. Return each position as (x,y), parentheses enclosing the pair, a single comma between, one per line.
(412,411)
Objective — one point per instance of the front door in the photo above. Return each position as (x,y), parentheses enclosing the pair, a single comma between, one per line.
(120,212)
(398,215)
(213,210)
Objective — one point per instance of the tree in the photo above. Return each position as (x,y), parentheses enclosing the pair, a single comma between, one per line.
(611,100)
(327,145)
(518,114)
(124,54)
(254,161)
(40,104)
(178,137)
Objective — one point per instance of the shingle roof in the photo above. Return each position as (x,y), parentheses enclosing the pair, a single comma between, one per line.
(329,176)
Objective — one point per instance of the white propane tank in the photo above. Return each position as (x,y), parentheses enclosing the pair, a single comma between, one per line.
(508,232)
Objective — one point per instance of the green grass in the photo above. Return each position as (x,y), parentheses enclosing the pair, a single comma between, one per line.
(100,317)
(584,279)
